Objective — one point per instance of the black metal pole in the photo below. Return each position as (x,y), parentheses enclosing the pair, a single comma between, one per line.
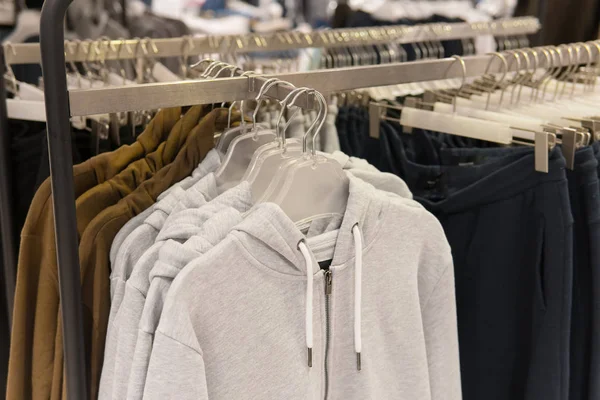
(7,225)
(61,168)
(124,14)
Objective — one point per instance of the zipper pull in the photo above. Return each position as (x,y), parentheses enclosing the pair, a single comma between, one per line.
(328,282)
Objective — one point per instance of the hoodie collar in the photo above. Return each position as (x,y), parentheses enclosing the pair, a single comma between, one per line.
(268,233)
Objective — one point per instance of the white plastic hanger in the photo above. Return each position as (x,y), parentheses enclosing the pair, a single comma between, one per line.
(313,186)
(264,167)
(230,134)
(242,149)
(522,122)
(455,124)
(269,148)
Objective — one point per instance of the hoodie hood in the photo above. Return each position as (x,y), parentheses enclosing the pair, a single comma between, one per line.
(209,164)
(383,181)
(174,255)
(184,224)
(268,224)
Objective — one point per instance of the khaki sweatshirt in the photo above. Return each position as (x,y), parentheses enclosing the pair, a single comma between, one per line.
(107,194)
(97,238)
(30,365)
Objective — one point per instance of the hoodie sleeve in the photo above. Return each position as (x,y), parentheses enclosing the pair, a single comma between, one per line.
(441,339)
(176,371)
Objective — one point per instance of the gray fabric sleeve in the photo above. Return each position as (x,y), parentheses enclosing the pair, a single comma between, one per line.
(176,371)
(441,339)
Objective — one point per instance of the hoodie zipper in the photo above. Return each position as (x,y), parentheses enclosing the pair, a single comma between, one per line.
(328,289)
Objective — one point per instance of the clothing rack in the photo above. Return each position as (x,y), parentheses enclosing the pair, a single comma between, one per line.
(26,53)
(7,225)
(29,53)
(62,104)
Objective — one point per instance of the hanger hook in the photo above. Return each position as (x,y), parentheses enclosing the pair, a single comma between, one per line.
(9,70)
(597,45)
(317,132)
(76,43)
(284,105)
(567,71)
(119,60)
(209,72)
(588,65)
(266,86)
(260,98)
(242,105)
(463,66)
(525,76)
(502,59)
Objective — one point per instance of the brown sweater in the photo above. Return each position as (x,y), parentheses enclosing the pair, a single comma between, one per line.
(96,240)
(31,359)
(107,194)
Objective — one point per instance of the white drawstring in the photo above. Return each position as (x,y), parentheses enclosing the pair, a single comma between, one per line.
(357,295)
(309,299)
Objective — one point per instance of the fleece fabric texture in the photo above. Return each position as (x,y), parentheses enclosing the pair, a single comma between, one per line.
(30,374)
(139,253)
(258,274)
(204,228)
(140,240)
(103,197)
(96,240)
(142,237)
(138,220)
(186,220)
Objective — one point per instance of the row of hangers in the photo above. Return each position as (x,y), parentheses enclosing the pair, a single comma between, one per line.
(287,172)
(534,106)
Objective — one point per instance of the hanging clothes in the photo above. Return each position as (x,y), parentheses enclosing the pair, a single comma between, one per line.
(37,264)
(264,252)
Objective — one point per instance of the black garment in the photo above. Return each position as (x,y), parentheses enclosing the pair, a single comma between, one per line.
(27,149)
(341,124)
(562,21)
(510,229)
(585,207)
(594,239)
(359,19)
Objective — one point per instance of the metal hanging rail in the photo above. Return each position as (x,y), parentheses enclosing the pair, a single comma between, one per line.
(59,112)
(28,53)
(160,95)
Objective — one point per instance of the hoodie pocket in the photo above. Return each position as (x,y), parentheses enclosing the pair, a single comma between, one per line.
(540,259)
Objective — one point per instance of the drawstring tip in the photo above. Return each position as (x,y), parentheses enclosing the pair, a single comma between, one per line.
(358,362)
(310,357)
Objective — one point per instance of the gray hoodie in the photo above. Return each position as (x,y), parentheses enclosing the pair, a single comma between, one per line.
(201,228)
(172,258)
(121,344)
(211,162)
(257,318)
(179,212)
(134,246)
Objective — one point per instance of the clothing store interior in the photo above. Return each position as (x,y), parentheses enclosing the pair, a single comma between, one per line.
(300,199)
